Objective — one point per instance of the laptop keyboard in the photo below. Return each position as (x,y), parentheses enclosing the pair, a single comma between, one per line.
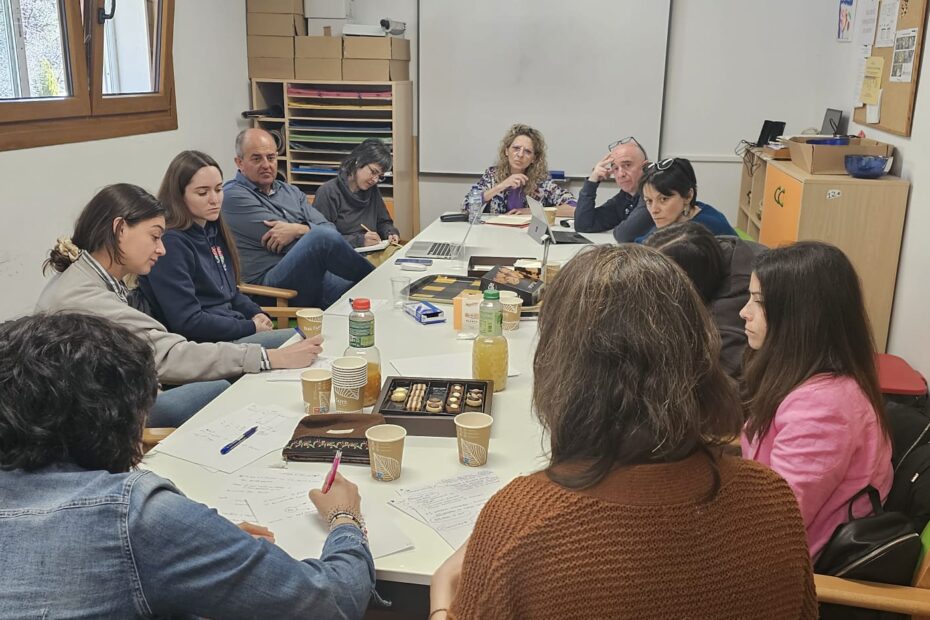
(442,250)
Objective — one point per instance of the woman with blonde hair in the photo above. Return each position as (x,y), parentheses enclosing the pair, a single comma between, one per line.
(521,171)
(638,514)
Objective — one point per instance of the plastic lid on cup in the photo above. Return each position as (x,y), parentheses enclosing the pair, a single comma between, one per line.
(361,303)
(492,293)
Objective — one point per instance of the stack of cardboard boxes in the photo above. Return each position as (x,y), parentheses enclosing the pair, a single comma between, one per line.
(271,26)
(279,48)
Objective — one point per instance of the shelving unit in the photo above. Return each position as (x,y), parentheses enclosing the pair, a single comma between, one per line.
(324,121)
(752,184)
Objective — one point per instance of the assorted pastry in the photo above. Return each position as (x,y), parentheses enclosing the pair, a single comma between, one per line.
(434,397)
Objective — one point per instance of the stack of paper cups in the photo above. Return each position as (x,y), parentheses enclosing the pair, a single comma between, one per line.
(350,374)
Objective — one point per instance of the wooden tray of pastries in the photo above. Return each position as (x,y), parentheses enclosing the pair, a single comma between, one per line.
(427,405)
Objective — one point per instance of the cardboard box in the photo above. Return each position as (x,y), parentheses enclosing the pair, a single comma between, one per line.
(325,27)
(776,153)
(828,158)
(318,47)
(292,7)
(272,68)
(360,70)
(275,24)
(399,70)
(260,46)
(331,9)
(329,69)
(522,282)
(381,48)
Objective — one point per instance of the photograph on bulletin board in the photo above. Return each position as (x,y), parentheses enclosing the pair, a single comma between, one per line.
(845,20)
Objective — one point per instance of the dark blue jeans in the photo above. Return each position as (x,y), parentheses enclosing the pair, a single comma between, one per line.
(321,266)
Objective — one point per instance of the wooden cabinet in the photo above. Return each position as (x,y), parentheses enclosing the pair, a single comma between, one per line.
(863,217)
(324,121)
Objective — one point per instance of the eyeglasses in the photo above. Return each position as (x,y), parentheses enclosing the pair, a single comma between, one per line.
(376,173)
(663,165)
(627,140)
(517,150)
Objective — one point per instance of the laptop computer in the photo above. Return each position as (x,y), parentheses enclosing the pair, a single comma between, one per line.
(439,249)
(539,227)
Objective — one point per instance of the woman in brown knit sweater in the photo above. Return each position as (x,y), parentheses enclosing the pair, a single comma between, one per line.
(637,515)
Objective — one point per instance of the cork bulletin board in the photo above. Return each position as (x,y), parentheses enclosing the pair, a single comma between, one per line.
(897,99)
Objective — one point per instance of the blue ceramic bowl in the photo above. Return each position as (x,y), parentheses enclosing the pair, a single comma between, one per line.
(865,166)
(829,141)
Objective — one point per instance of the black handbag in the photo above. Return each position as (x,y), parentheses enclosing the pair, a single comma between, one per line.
(881,547)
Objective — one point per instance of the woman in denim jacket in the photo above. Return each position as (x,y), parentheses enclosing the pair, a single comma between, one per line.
(84,534)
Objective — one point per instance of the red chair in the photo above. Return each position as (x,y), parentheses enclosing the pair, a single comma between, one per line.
(896,377)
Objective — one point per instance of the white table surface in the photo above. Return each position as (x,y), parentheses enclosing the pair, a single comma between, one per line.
(516,445)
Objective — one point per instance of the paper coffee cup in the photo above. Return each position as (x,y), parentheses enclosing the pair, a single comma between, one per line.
(511,313)
(551,271)
(473,432)
(317,385)
(386,451)
(310,321)
(550,215)
(350,374)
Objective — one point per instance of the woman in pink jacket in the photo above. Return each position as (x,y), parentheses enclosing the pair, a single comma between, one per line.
(810,389)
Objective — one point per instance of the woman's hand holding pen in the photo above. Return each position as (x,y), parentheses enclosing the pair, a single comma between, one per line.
(342,495)
(298,355)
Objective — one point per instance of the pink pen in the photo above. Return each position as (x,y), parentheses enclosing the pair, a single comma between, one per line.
(331,476)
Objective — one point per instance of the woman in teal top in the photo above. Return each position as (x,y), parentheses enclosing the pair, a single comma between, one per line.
(669,189)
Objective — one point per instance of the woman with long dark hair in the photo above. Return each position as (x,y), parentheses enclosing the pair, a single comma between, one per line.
(637,514)
(118,235)
(194,286)
(810,388)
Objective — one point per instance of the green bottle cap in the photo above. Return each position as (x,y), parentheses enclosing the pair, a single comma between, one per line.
(492,293)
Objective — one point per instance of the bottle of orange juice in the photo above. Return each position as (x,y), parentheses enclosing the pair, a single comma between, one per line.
(489,352)
(362,344)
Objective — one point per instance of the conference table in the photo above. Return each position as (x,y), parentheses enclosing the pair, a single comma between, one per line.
(517,444)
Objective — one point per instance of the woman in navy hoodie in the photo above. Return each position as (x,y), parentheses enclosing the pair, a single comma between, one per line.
(193,288)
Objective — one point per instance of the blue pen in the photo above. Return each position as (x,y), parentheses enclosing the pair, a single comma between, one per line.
(225,449)
(300,333)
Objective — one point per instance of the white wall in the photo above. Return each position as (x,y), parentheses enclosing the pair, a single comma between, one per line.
(45,188)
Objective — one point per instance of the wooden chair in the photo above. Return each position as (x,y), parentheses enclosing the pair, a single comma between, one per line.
(913,599)
(152,436)
(281,310)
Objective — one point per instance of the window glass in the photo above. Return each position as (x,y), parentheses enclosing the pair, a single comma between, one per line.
(32,63)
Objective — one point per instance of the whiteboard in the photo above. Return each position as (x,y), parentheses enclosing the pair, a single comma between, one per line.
(584,73)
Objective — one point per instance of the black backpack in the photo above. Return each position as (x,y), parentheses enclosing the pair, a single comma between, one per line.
(881,547)
(910,490)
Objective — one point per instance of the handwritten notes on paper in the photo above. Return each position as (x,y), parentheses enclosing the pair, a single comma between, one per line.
(202,445)
(279,500)
(293,374)
(872,80)
(451,505)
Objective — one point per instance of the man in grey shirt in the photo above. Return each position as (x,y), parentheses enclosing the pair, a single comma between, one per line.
(626,212)
(282,240)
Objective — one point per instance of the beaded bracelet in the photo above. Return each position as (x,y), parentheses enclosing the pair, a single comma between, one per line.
(336,513)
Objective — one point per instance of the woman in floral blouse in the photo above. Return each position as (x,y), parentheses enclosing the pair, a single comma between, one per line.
(521,170)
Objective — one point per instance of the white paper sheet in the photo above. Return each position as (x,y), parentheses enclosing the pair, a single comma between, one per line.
(293,374)
(279,500)
(863,52)
(202,445)
(866,20)
(887,23)
(902,60)
(344,308)
(451,505)
(454,365)
(365,249)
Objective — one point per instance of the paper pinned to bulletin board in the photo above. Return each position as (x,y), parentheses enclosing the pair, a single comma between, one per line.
(898,42)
